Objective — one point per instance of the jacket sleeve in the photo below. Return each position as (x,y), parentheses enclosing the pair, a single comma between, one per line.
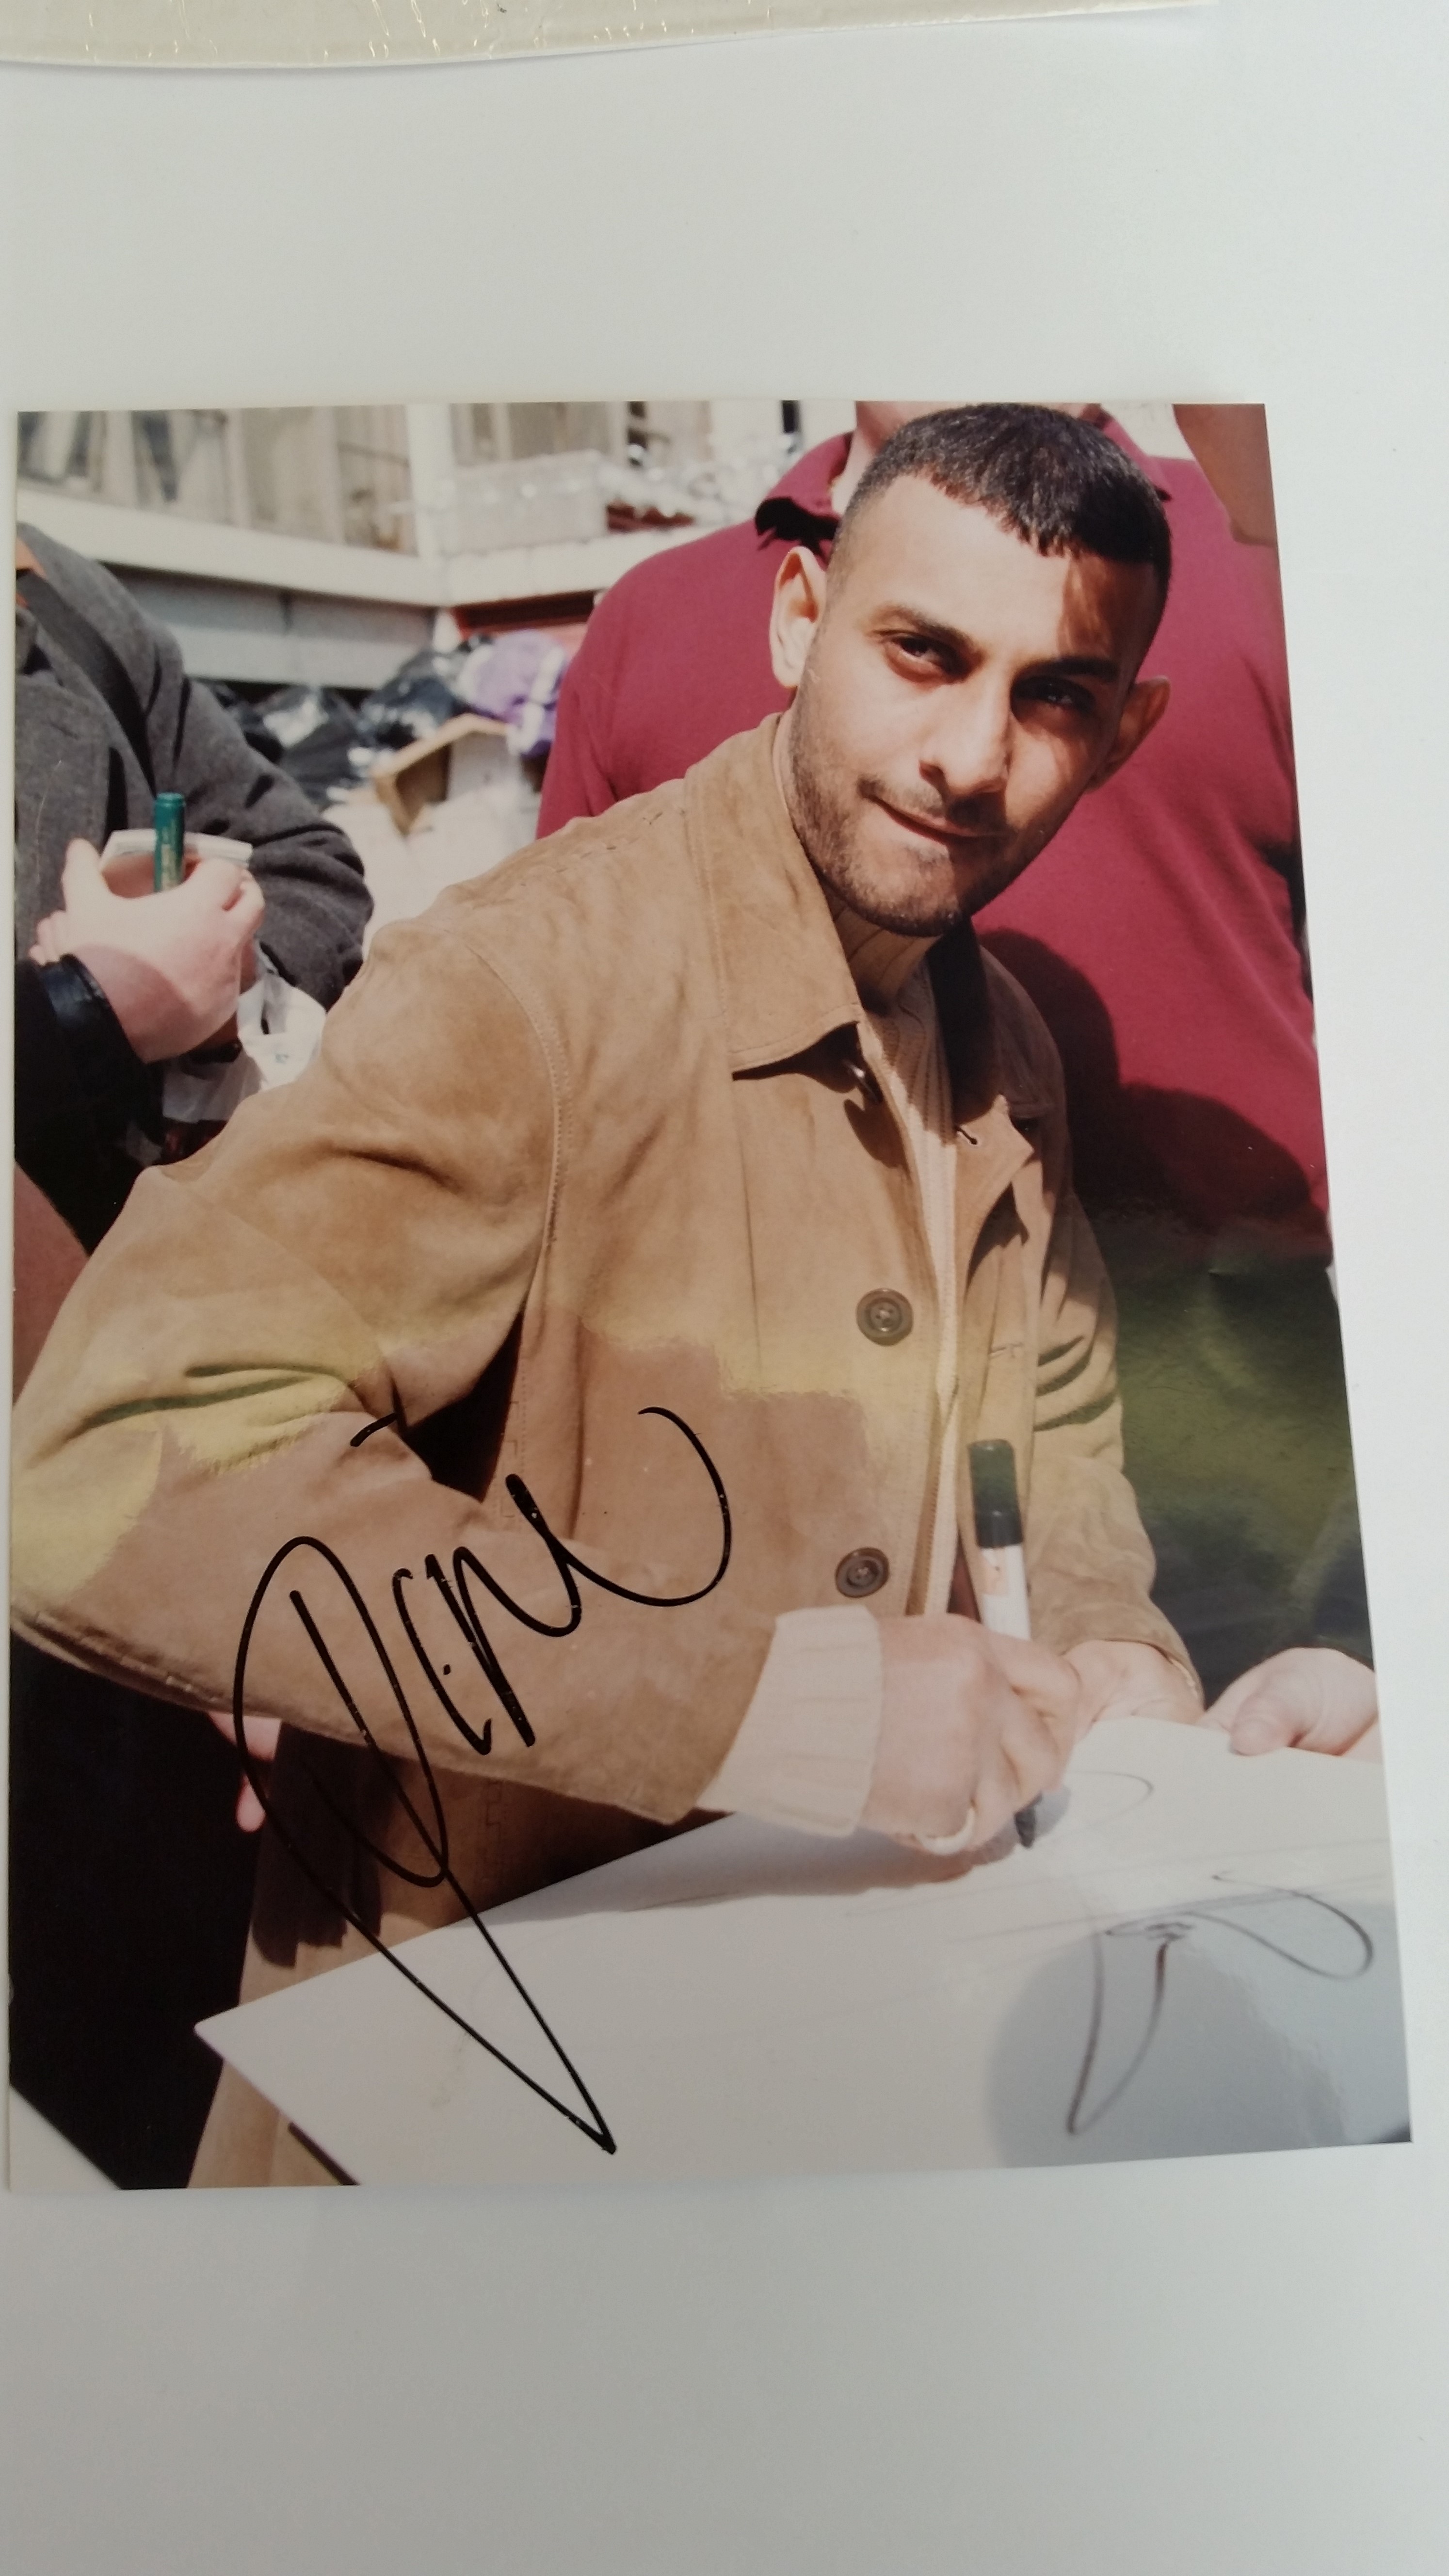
(317,901)
(1089,1561)
(1090,1565)
(237,1383)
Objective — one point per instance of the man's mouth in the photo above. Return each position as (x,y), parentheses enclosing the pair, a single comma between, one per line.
(947,836)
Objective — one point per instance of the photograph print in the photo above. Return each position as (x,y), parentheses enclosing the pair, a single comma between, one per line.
(682,1498)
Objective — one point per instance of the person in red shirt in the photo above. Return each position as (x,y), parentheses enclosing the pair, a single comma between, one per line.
(676,657)
(1161,937)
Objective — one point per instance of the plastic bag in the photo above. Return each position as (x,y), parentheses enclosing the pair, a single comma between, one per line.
(279,1030)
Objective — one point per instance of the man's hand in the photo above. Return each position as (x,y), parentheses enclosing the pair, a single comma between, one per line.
(1312,1696)
(261,1741)
(973,1727)
(1122,1679)
(171,965)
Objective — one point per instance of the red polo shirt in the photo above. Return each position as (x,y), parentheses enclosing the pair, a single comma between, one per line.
(1155,934)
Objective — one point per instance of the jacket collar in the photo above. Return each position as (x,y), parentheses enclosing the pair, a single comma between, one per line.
(967,1025)
(784,977)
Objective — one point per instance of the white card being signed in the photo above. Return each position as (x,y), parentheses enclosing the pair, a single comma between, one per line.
(1196,1957)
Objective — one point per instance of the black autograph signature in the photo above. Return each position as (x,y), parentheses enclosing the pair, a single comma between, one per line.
(1166,1931)
(458,1594)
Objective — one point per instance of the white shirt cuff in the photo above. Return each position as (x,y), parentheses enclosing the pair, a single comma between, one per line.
(806,1749)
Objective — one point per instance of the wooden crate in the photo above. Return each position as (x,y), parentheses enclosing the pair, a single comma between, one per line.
(411,781)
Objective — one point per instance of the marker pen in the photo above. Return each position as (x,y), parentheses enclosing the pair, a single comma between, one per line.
(170,822)
(996,1508)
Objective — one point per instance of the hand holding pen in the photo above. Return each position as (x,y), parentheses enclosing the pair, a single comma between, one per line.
(171,964)
(978,1721)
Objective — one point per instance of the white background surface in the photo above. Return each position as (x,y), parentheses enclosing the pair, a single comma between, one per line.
(1235,2368)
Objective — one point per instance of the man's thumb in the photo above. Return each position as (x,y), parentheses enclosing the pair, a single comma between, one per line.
(1264,1725)
(81,873)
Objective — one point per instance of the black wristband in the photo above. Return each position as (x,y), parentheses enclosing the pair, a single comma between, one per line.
(116,1086)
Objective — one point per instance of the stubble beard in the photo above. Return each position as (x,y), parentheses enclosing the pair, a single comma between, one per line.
(825,824)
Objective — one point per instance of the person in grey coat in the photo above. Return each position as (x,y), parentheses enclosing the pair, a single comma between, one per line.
(105,719)
(130,1885)
(82,772)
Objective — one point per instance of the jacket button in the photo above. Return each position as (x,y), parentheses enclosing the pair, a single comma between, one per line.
(862,1572)
(883,1316)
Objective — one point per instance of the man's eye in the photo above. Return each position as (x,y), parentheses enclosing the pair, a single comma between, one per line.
(916,648)
(1061,693)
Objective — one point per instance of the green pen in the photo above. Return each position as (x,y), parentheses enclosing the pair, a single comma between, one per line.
(170,820)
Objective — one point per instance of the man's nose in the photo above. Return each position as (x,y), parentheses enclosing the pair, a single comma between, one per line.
(968,748)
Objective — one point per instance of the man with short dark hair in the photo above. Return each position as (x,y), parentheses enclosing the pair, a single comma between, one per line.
(567,1384)
(1161,938)
(1029,475)
(1161,944)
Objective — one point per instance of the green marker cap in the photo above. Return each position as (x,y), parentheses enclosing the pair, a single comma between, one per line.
(170,821)
(994,1498)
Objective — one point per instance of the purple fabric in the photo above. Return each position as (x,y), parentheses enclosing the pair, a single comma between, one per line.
(516,680)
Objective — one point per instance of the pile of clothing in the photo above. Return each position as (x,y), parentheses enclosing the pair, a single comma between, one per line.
(328,745)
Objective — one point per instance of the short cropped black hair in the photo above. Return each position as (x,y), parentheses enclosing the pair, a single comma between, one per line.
(1057,483)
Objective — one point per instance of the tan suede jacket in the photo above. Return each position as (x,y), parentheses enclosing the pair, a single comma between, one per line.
(591,1203)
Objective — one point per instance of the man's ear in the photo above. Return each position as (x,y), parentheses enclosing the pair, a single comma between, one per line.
(795,613)
(1144,706)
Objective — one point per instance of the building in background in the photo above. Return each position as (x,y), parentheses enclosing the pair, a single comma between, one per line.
(320,546)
